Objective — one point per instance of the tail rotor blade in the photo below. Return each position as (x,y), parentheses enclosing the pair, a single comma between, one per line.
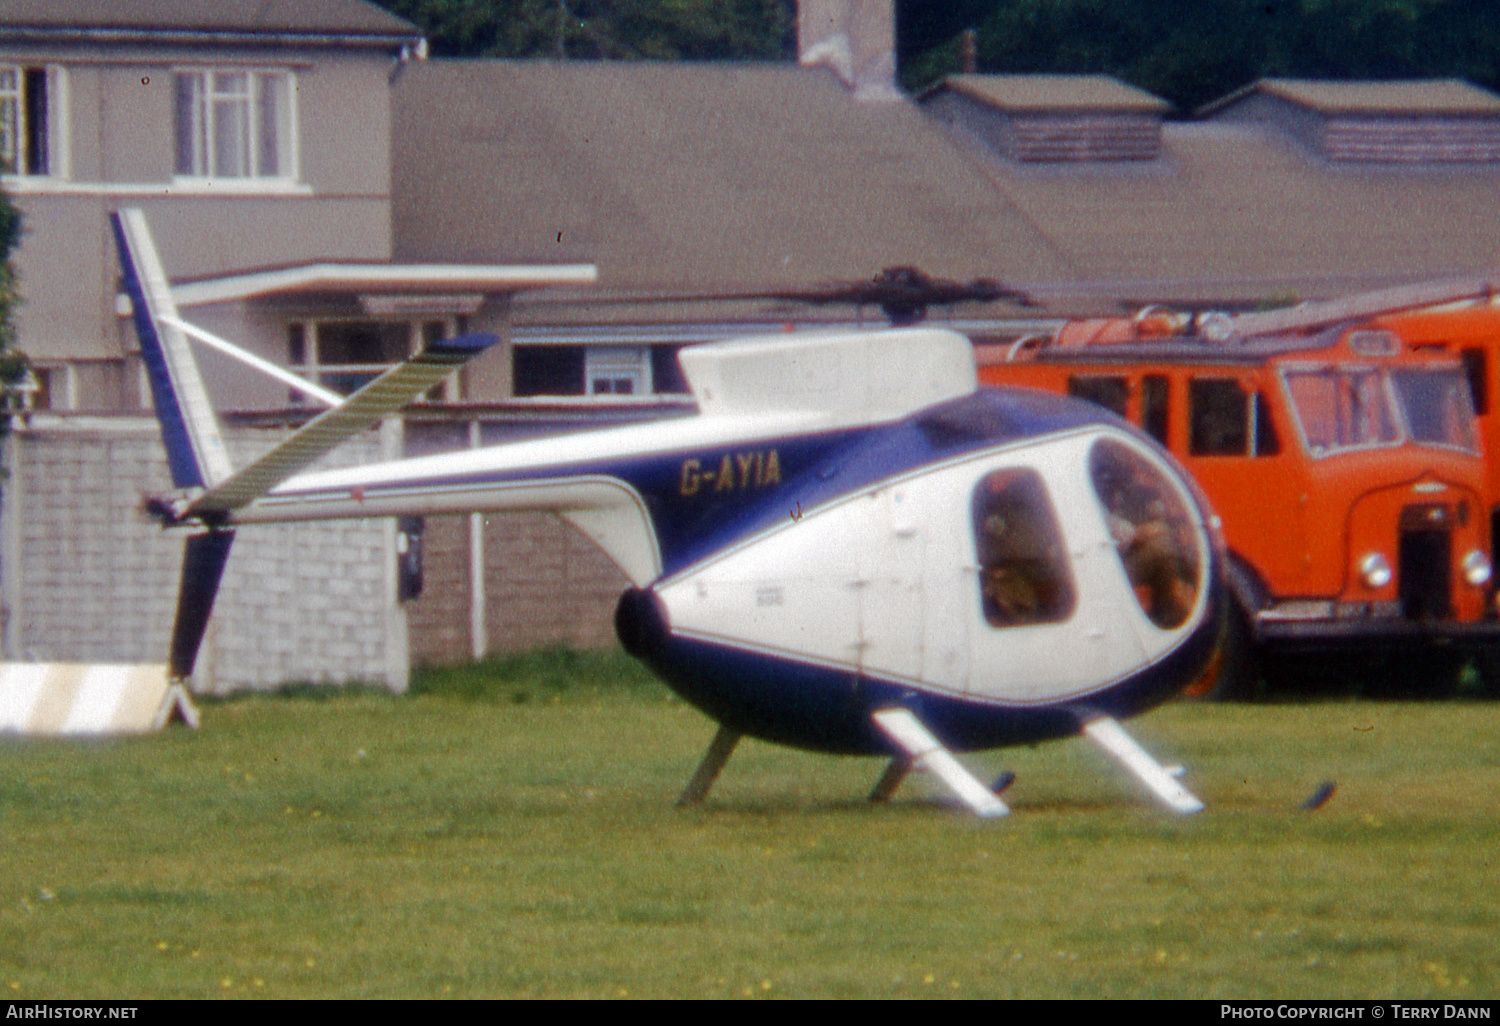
(202,568)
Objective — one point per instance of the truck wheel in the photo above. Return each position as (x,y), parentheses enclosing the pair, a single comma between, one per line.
(1236,668)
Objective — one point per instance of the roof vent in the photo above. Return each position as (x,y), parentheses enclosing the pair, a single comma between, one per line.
(1052,118)
(1427,122)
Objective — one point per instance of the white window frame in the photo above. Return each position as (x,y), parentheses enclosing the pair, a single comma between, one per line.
(210,106)
(320,372)
(605,364)
(14,138)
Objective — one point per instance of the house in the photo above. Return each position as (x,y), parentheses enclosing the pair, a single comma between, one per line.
(257,138)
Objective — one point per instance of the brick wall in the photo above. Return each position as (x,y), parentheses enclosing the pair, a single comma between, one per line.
(545,583)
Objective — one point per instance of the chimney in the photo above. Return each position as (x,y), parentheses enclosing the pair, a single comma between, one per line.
(856,38)
(968,52)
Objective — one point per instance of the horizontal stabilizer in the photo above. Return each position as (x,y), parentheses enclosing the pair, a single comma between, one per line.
(386,394)
(1111,737)
(927,753)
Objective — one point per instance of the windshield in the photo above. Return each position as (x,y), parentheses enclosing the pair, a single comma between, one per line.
(1343,408)
(1437,406)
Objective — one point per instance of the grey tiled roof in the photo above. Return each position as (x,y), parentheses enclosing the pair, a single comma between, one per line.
(338,17)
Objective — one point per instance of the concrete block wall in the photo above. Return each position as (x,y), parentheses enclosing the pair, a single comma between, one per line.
(89,578)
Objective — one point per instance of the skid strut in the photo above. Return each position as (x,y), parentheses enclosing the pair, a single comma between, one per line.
(719,751)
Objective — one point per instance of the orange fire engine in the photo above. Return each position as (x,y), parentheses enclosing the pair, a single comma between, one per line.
(1347,468)
(1472,335)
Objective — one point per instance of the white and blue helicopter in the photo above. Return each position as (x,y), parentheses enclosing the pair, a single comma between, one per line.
(851,548)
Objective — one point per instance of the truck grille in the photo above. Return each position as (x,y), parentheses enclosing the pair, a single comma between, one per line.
(1425,574)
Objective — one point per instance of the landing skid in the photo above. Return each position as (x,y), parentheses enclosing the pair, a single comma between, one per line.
(923,751)
(1107,733)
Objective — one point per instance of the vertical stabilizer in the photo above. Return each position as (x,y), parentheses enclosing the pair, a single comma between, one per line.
(195,449)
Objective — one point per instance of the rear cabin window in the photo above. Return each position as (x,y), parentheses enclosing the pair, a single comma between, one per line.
(1023,568)
(1218,418)
(1155,404)
(1152,531)
(1107,391)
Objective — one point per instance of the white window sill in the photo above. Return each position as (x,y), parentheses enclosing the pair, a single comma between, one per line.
(40,185)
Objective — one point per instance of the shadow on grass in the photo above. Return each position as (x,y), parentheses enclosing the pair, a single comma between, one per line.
(1322,680)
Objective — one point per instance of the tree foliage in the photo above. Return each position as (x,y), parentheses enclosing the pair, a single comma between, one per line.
(605,29)
(1192,53)
(12,362)
(1187,52)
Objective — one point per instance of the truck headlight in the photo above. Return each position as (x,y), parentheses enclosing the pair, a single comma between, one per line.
(1476,566)
(1375,570)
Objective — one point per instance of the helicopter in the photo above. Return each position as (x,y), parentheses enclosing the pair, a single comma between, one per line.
(851,548)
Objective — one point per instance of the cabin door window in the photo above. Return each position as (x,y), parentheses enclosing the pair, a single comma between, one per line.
(1023,567)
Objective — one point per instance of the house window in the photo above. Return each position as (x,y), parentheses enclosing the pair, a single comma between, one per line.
(617,370)
(28,96)
(585,370)
(235,124)
(346,355)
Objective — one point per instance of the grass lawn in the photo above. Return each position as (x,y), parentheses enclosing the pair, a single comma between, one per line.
(514,835)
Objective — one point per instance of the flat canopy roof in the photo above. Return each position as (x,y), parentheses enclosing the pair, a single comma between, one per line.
(376,279)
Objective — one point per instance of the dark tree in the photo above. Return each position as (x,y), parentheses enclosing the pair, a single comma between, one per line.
(1192,53)
(605,29)
(12,362)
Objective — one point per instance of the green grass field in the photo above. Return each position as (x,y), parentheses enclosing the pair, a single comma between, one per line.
(514,835)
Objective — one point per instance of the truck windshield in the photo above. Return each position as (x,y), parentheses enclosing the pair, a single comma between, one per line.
(1437,406)
(1344,408)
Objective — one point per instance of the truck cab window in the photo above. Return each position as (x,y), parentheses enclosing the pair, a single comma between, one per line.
(1267,441)
(1437,407)
(1476,368)
(1342,408)
(1218,418)
(1155,406)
